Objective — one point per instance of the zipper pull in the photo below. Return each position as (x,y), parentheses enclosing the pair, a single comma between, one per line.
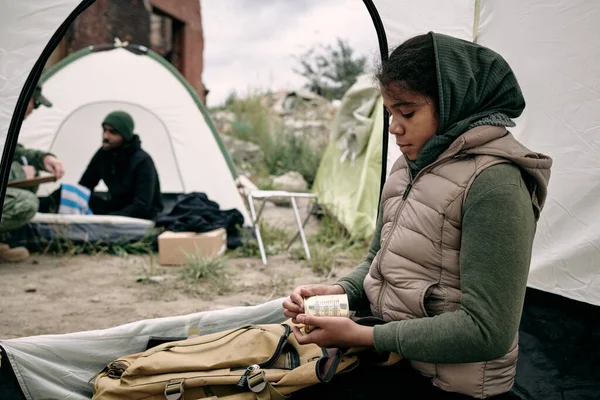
(407,191)
(243,382)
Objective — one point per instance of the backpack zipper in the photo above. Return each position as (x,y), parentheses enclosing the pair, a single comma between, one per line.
(179,344)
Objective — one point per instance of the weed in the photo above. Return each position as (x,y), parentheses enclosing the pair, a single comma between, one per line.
(210,270)
(61,245)
(331,246)
(275,241)
(147,270)
(285,153)
(283,150)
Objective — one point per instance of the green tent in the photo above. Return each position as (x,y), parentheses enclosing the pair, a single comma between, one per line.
(349,176)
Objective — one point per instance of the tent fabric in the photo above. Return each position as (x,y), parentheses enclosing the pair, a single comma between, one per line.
(558,349)
(347,181)
(405,18)
(353,122)
(172,124)
(61,366)
(24,36)
(553,48)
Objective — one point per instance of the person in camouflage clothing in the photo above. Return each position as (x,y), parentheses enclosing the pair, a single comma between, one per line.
(20,205)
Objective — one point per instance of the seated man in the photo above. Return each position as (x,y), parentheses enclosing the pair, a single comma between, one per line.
(126,169)
(20,205)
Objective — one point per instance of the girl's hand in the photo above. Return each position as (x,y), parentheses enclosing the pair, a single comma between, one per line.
(294,305)
(334,332)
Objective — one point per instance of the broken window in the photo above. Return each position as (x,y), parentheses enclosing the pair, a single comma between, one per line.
(166,37)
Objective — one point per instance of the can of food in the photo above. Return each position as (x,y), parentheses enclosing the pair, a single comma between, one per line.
(335,305)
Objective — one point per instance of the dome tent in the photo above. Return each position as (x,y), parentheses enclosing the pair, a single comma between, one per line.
(170,119)
(347,180)
(559,73)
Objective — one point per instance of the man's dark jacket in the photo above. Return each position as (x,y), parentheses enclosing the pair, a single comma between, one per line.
(131,178)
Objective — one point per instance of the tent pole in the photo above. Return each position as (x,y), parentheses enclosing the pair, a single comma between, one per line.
(383,50)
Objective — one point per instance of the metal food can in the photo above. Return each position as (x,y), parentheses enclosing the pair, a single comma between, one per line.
(335,305)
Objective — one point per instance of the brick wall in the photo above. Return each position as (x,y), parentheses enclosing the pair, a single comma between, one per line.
(89,27)
(106,19)
(188,12)
(129,20)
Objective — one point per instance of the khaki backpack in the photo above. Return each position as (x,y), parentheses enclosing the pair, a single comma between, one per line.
(250,362)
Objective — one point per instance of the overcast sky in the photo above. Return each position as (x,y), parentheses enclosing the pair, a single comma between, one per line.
(249,44)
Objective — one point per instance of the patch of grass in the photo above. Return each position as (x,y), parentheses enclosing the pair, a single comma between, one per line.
(253,122)
(322,258)
(275,241)
(60,245)
(283,151)
(147,270)
(330,247)
(209,270)
(331,232)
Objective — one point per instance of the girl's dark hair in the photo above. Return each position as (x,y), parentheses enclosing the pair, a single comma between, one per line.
(413,65)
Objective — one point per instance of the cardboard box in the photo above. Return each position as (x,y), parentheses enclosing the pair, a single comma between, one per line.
(174,247)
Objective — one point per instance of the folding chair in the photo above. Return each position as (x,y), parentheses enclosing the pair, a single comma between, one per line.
(263,196)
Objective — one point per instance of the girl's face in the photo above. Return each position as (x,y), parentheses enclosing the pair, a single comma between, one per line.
(414,118)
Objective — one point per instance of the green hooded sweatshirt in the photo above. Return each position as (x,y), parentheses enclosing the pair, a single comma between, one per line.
(476,87)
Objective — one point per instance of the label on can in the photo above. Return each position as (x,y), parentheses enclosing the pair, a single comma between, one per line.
(335,305)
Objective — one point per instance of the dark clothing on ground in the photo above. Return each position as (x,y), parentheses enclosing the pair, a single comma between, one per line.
(131,178)
(195,212)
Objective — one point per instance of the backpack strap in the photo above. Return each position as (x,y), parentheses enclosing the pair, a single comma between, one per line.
(328,364)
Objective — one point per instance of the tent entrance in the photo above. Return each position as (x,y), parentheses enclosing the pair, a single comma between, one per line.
(82,130)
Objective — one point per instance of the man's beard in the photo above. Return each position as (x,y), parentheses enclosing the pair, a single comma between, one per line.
(110,146)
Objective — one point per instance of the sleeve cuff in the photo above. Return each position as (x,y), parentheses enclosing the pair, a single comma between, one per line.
(385,338)
(353,295)
(344,286)
(40,162)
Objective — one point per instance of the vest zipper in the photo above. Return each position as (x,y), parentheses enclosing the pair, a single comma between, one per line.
(410,185)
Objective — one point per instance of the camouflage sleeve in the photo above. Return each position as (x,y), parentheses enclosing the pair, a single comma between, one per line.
(33,157)
(16,172)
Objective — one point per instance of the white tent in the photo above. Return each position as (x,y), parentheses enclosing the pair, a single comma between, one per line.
(171,121)
(554,48)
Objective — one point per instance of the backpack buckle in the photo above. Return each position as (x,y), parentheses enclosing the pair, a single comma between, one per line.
(257,382)
(174,389)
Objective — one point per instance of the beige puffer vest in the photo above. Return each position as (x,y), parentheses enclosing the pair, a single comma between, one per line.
(416,271)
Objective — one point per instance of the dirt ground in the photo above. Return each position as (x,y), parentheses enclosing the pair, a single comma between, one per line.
(50,294)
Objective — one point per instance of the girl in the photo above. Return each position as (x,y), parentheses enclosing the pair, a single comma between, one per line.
(448,264)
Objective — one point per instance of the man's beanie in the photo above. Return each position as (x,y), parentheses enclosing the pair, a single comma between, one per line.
(121,122)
